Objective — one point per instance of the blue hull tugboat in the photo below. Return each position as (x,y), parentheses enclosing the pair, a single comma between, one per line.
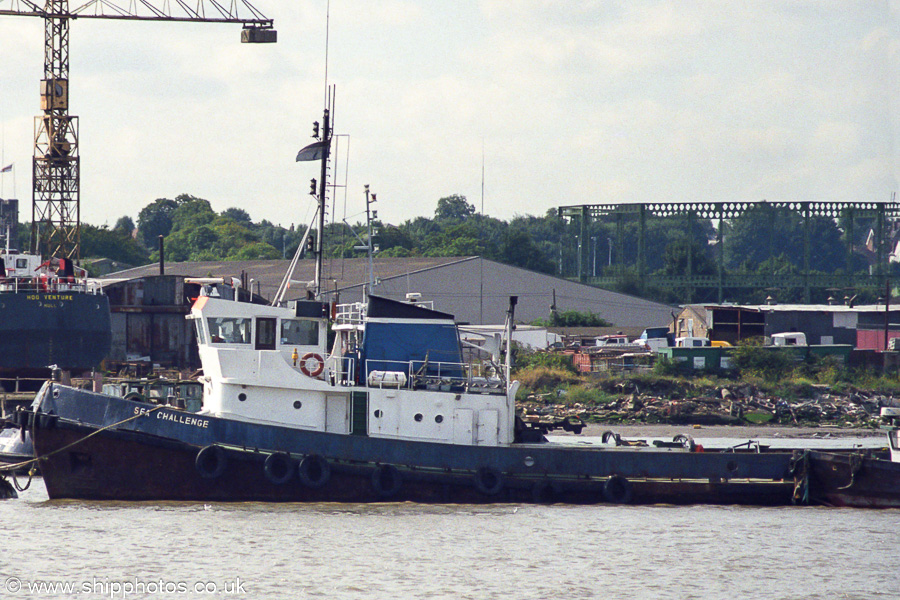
(390,411)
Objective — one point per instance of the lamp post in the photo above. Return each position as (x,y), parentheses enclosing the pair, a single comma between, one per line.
(578,255)
(594,256)
(370,199)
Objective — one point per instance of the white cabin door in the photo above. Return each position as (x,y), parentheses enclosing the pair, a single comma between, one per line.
(462,426)
(488,422)
(336,415)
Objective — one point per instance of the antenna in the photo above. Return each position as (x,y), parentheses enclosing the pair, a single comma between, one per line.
(327,32)
(481,258)
(482,179)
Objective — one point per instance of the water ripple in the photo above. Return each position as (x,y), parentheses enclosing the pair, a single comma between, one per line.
(457,552)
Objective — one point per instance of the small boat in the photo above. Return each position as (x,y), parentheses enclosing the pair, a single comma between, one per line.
(391,410)
(15,448)
(16,458)
(854,479)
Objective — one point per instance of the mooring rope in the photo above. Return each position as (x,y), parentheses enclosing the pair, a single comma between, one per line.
(35,460)
(856,463)
(15,480)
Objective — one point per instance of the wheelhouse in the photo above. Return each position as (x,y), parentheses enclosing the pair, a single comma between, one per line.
(241,326)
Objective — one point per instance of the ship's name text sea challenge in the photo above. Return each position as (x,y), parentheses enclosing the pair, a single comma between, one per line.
(176,418)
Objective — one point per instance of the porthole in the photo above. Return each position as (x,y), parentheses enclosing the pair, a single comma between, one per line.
(418,417)
(529,461)
(731,466)
(242,396)
(439,419)
(377,414)
(297,404)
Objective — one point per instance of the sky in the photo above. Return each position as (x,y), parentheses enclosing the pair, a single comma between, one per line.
(522,105)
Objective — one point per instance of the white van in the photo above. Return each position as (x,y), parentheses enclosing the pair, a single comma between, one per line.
(691,342)
(792,338)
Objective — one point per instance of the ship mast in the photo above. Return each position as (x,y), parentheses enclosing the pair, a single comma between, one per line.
(319,150)
(323,185)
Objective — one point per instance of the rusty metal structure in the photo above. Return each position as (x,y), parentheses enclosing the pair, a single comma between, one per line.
(147,317)
(577,222)
(56,175)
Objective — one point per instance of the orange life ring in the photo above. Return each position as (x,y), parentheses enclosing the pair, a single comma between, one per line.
(315,371)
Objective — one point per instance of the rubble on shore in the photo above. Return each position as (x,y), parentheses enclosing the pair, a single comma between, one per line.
(667,402)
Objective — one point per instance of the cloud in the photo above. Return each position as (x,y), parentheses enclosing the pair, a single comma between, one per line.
(575,102)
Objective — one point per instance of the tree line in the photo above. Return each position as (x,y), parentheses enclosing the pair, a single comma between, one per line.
(193,231)
(763,240)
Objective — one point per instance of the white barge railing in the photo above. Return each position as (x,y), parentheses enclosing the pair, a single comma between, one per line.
(49,286)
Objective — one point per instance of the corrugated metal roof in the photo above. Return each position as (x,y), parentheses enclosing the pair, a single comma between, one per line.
(339,273)
(472,289)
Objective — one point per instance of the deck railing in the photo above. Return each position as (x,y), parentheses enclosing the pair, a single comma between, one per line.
(350,314)
(436,376)
(340,370)
(49,286)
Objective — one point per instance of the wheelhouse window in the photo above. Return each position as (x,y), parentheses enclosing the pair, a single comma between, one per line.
(299,332)
(265,333)
(201,332)
(226,330)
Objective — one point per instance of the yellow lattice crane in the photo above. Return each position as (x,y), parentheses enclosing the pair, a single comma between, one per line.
(56,210)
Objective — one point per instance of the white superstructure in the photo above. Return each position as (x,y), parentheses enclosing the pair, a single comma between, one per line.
(385,375)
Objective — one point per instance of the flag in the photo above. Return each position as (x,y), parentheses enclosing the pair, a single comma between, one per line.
(6,169)
(312,152)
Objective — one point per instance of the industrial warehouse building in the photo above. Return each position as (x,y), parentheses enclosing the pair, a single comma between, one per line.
(148,310)
(473,289)
(860,326)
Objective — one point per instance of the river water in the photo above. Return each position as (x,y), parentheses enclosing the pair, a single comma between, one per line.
(385,551)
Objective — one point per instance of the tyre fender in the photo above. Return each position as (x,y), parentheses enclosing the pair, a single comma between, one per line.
(278,468)
(211,462)
(618,490)
(314,471)
(386,480)
(488,481)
